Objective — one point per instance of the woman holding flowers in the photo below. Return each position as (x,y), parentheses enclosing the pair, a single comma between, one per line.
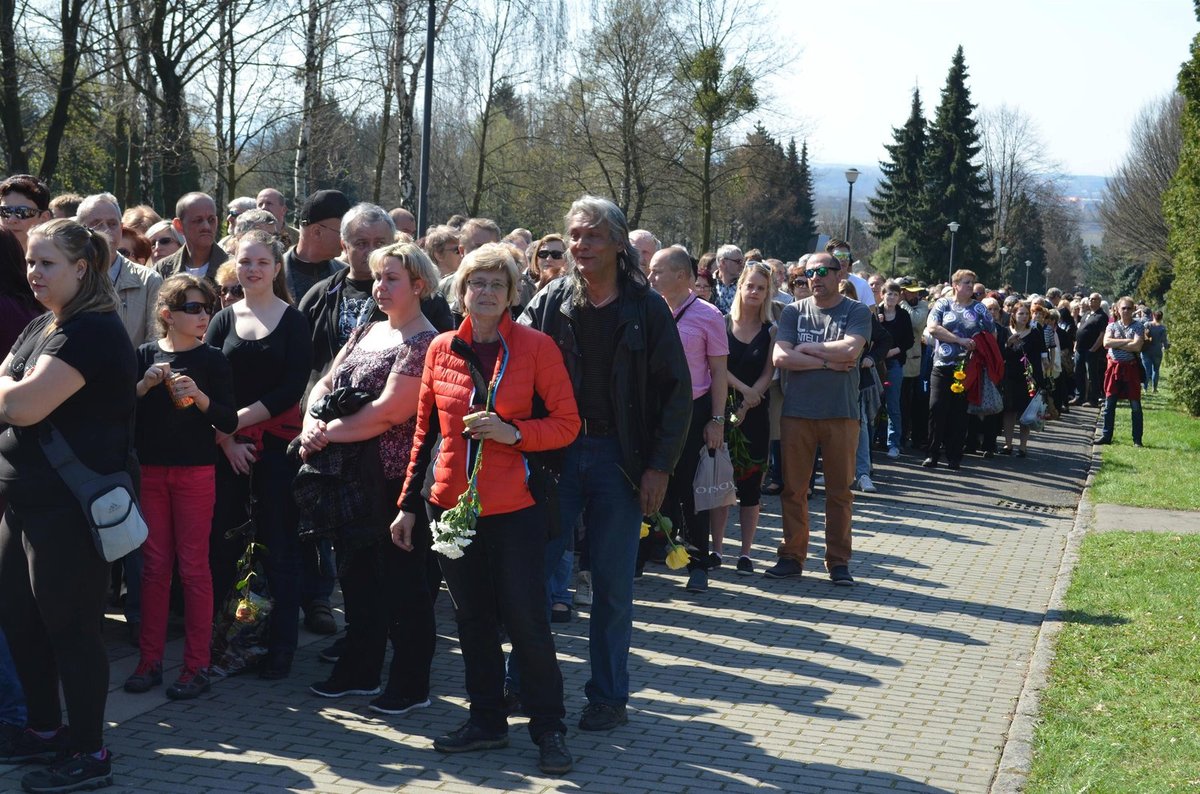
(953,323)
(1023,351)
(751,338)
(384,586)
(478,390)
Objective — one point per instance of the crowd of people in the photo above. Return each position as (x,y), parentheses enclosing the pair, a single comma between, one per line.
(383,410)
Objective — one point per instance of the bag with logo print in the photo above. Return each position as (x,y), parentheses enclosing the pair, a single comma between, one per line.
(713,485)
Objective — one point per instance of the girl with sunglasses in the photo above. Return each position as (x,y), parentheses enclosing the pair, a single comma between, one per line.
(547,259)
(185,392)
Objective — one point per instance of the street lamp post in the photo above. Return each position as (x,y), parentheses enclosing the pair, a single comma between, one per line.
(953,227)
(1046,279)
(851,176)
(1003,252)
(1027,264)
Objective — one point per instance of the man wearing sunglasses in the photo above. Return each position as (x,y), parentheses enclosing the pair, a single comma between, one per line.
(24,203)
(840,250)
(818,343)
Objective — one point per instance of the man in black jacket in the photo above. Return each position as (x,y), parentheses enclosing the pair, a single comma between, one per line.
(634,393)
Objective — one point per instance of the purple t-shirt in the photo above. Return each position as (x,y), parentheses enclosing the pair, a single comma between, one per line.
(368,370)
(702,331)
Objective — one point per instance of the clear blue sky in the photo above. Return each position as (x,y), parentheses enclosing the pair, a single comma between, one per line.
(1081,69)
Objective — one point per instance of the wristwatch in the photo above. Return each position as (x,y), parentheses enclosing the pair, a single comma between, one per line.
(824,364)
(517,430)
(719,419)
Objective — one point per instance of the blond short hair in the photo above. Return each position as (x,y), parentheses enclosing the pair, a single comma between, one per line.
(489,258)
(413,259)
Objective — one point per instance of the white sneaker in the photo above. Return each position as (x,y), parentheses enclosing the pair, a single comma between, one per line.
(894,453)
(865,485)
(583,589)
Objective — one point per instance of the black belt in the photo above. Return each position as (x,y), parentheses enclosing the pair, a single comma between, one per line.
(598,428)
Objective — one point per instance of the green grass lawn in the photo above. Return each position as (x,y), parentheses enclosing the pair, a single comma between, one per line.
(1165,473)
(1122,710)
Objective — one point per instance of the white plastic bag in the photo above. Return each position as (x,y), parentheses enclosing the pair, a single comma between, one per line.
(713,484)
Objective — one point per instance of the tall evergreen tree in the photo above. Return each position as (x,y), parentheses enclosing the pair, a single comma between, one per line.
(897,203)
(1181,205)
(956,189)
(1026,230)
(802,189)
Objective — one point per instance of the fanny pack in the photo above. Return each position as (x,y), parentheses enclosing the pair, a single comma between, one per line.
(107,500)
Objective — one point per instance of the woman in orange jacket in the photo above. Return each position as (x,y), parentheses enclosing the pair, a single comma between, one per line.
(479,390)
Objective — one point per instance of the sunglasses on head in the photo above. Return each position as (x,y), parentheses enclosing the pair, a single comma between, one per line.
(24,213)
(234,289)
(544,254)
(841,255)
(194,307)
(822,271)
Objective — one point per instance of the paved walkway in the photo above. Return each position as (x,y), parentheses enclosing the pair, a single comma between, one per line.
(907,681)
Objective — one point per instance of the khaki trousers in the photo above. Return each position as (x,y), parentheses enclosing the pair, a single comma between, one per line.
(838,440)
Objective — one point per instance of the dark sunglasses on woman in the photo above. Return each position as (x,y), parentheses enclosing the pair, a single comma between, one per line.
(234,291)
(544,254)
(194,307)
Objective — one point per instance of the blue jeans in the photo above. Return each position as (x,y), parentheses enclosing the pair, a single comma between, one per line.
(1110,417)
(1153,363)
(891,398)
(558,577)
(593,484)
(12,698)
(862,459)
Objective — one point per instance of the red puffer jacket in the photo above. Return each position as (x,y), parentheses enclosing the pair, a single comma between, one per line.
(529,363)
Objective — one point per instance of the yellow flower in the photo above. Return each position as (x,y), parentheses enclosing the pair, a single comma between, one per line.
(957,388)
(645,533)
(677,558)
(960,375)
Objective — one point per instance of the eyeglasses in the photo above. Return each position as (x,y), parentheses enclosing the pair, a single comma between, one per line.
(194,307)
(738,260)
(488,286)
(544,254)
(24,213)
(164,241)
(841,255)
(822,271)
(233,290)
(798,282)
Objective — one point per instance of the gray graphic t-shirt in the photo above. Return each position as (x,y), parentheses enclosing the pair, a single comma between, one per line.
(821,393)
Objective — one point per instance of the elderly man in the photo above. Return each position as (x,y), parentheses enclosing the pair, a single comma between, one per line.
(404,221)
(1090,353)
(235,208)
(818,343)
(272,201)
(647,246)
(24,203)
(706,346)
(474,233)
(729,267)
(914,389)
(314,257)
(632,385)
(196,220)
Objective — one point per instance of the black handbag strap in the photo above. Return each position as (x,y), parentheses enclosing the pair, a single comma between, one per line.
(60,455)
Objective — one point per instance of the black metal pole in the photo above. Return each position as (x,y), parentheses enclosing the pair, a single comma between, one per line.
(426,125)
(849,205)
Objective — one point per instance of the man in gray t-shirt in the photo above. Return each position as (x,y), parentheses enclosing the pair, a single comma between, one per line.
(818,344)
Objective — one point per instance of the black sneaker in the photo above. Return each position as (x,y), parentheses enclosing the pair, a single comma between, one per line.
(190,684)
(744,566)
(333,652)
(25,745)
(714,561)
(697,581)
(147,676)
(602,717)
(786,568)
(512,703)
(338,689)
(840,575)
(469,738)
(396,704)
(553,756)
(80,772)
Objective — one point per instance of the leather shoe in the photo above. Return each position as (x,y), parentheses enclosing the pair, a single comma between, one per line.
(929,463)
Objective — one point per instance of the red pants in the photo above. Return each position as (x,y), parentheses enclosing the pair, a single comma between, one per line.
(177,502)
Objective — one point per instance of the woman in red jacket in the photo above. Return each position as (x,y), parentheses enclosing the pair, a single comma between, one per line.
(478,391)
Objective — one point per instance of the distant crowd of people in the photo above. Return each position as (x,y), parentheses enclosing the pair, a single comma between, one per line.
(385,411)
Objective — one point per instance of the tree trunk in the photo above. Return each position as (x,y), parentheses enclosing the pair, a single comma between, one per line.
(706,195)
(72,12)
(400,86)
(302,172)
(10,97)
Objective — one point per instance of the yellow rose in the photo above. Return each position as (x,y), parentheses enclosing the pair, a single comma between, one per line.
(645,533)
(677,558)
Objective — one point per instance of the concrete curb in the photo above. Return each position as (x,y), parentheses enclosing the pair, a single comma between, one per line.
(1016,760)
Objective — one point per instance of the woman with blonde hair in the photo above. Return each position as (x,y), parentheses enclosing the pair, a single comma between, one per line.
(751,338)
(1024,355)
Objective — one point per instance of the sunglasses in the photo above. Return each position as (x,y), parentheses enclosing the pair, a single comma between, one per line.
(544,254)
(24,213)
(841,255)
(165,241)
(194,307)
(821,272)
(798,282)
(235,290)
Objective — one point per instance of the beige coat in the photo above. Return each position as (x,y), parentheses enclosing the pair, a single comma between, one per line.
(919,314)
(137,292)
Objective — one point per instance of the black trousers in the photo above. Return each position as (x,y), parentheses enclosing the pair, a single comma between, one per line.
(501,579)
(680,504)
(52,593)
(386,594)
(1097,362)
(914,411)
(947,416)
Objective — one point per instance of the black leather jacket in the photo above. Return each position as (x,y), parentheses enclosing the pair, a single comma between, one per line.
(651,386)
